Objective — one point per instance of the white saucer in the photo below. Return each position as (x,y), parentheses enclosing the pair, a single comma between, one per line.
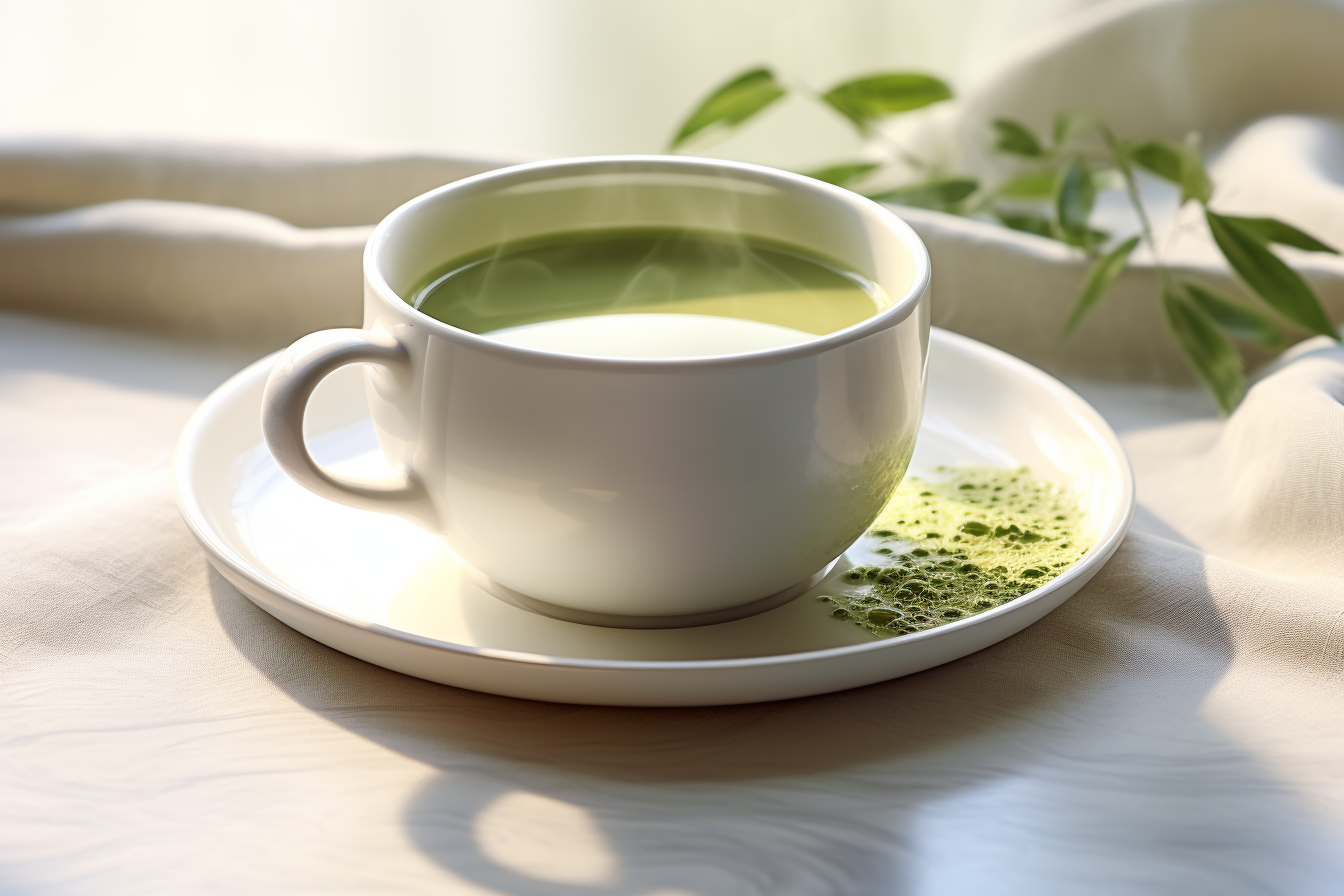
(383,590)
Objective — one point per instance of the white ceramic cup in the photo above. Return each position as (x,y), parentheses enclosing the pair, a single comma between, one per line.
(636,492)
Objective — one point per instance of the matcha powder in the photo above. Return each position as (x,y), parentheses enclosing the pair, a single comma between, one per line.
(966,544)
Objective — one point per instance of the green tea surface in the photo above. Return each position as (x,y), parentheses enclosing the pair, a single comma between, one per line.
(646,271)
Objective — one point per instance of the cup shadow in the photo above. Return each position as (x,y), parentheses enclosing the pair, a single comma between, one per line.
(835,794)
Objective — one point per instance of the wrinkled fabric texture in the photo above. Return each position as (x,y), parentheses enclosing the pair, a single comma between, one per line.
(1175,728)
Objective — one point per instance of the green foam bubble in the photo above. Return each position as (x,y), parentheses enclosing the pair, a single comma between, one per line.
(961,545)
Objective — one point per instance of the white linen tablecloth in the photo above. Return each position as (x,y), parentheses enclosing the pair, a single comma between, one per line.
(1175,728)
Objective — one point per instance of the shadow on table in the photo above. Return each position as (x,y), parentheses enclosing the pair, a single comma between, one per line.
(1069,758)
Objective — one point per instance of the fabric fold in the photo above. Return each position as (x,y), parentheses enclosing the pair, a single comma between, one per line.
(306,187)
(1265,489)
(264,245)
(184,268)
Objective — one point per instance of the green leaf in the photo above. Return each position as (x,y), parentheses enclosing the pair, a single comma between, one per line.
(941,195)
(1162,159)
(1268,276)
(843,174)
(1066,125)
(872,98)
(1016,139)
(1074,195)
(1099,278)
(1195,182)
(1271,230)
(1175,162)
(1027,223)
(1094,238)
(1030,185)
(732,104)
(1241,322)
(1206,348)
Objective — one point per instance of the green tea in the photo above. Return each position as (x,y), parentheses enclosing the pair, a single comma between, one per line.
(953,548)
(647,293)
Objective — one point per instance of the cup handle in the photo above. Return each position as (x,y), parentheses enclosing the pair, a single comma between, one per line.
(292,381)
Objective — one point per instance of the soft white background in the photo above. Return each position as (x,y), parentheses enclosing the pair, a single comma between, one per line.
(498,79)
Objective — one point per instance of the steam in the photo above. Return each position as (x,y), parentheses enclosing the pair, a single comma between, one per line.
(639,242)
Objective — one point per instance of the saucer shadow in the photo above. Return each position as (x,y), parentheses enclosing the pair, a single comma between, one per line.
(428,721)
(831,794)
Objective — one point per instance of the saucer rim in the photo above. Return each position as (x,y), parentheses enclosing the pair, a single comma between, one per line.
(221,553)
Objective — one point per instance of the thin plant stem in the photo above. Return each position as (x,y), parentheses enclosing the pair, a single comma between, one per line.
(1132,190)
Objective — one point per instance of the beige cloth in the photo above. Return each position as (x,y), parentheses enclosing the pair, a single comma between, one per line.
(227,243)
(1175,728)
(1228,70)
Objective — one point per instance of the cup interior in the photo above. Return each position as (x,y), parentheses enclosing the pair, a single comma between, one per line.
(606,193)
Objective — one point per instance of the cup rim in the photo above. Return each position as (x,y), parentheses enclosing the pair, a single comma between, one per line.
(899,310)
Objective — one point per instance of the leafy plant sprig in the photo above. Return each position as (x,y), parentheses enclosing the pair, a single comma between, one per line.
(1053,196)
(862,102)
(1204,321)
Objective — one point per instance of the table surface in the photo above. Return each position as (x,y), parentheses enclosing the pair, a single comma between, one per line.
(163,734)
